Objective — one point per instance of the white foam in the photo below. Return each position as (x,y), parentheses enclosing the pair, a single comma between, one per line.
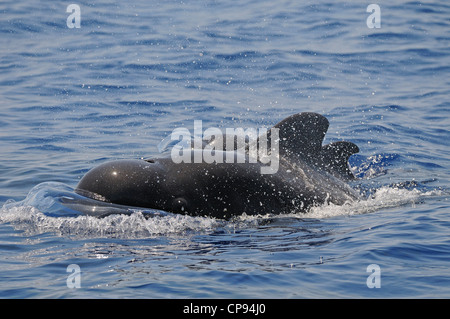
(383,198)
(31,220)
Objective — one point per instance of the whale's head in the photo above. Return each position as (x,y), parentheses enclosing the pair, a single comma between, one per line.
(136,183)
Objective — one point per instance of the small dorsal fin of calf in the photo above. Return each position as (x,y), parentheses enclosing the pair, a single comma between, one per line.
(334,158)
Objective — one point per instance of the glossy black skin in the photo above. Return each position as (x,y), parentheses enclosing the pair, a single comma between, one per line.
(227,189)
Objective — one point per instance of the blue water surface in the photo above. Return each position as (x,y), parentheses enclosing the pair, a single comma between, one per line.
(72,98)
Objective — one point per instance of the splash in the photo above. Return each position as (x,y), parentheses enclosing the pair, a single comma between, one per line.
(32,221)
(55,207)
(384,197)
(44,211)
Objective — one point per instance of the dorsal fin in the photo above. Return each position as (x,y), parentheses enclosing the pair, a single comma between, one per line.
(301,137)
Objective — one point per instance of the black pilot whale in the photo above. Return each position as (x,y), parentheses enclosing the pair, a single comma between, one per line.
(308,174)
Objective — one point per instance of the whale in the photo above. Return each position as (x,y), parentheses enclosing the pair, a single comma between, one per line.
(308,174)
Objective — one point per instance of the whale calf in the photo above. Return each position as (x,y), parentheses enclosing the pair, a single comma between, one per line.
(308,174)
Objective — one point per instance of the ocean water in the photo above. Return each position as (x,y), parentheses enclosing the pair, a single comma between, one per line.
(72,98)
